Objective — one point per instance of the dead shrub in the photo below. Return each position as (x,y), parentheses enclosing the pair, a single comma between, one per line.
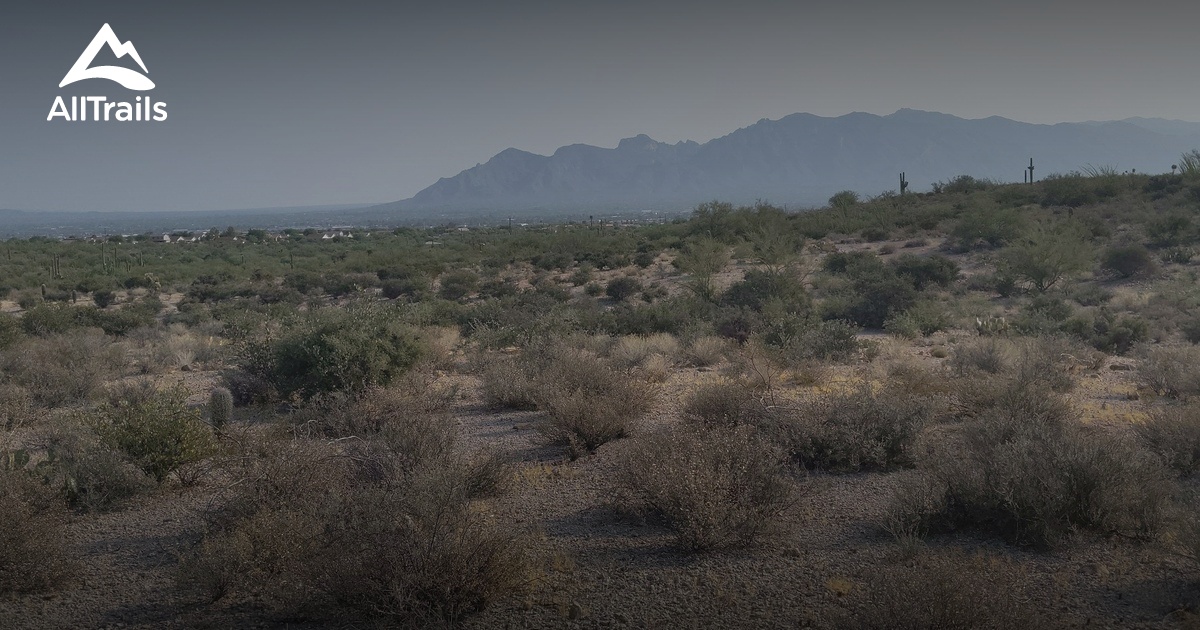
(63,369)
(949,591)
(33,549)
(856,430)
(315,531)
(1173,372)
(724,404)
(715,488)
(1174,434)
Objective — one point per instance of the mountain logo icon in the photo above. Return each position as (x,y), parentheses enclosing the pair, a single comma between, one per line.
(129,79)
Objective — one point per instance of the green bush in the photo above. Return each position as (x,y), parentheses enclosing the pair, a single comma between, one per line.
(925,271)
(332,350)
(875,294)
(760,287)
(1127,261)
(10,330)
(158,432)
(622,288)
(458,284)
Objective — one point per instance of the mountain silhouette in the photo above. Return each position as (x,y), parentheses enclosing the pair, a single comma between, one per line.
(800,159)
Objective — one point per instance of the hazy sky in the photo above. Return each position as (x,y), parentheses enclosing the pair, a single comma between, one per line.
(299,103)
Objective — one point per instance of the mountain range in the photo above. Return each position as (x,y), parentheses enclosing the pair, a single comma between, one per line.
(799,160)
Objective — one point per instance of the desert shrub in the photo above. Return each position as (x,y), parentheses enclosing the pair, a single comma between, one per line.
(861,429)
(987,228)
(416,402)
(1191,329)
(1127,261)
(947,591)
(33,549)
(705,351)
(335,350)
(1047,255)
(1034,480)
(104,298)
(1174,229)
(587,403)
(759,287)
(506,385)
(1106,331)
(922,320)
(1090,294)
(875,233)
(1173,372)
(1174,434)
(63,369)
(158,432)
(724,404)
(986,354)
(16,406)
(44,320)
(312,533)
(926,271)
(831,340)
(875,293)
(622,288)
(633,351)
(10,330)
(712,488)
(458,284)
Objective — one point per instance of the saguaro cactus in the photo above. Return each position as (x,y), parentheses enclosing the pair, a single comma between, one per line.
(220,407)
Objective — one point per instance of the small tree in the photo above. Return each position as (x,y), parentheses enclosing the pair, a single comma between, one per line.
(703,258)
(1048,255)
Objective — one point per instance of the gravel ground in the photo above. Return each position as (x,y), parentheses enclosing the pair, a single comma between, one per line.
(611,572)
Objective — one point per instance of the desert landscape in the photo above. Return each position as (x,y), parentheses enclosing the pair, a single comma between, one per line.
(964,408)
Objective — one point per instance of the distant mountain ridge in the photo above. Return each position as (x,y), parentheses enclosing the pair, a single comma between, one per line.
(800,159)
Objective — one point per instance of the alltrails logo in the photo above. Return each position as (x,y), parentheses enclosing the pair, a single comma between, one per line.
(99,107)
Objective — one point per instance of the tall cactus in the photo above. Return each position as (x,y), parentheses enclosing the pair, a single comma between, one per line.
(220,407)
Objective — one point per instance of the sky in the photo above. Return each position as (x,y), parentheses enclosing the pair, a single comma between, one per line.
(306,103)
